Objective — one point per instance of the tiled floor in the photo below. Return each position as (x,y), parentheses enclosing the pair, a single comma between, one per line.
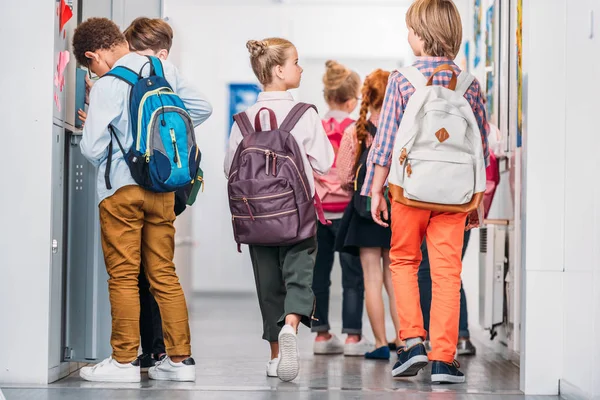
(231,358)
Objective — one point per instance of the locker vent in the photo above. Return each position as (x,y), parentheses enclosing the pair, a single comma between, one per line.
(483,233)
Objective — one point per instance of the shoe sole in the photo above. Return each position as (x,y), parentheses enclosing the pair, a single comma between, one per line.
(327,353)
(443,378)
(121,379)
(411,367)
(171,376)
(289,366)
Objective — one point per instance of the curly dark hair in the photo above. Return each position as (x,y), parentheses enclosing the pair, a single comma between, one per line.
(95,34)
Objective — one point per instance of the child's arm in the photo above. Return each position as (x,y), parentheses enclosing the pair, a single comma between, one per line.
(383,144)
(106,104)
(196,104)
(316,144)
(346,157)
(235,138)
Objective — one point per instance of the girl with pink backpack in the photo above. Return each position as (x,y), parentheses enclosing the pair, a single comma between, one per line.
(342,92)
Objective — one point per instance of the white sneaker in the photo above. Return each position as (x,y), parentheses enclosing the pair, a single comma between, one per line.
(331,346)
(289,364)
(110,370)
(358,349)
(167,370)
(272,368)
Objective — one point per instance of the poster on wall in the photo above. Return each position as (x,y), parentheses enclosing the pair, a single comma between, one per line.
(241,96)
(477,32)
(520,73)
(490,59)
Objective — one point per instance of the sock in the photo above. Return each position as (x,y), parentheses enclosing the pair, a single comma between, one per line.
(413,341)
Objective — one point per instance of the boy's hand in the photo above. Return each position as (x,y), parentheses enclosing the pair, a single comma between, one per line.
(379,206)
(88,86)
(82,116)
(474,219)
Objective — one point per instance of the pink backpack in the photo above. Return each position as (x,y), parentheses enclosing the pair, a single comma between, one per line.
(329,186)
(492,173)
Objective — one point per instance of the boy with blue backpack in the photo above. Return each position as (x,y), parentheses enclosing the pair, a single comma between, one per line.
(139,132)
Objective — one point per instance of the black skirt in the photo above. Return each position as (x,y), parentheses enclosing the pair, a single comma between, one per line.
(356,232)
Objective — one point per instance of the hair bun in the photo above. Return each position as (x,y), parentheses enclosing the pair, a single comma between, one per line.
(257,48)
(335,75)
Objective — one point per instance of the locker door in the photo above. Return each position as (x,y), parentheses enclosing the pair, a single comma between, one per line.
(58,246)
(88,319)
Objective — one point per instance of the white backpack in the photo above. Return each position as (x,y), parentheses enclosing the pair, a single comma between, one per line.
(438,162)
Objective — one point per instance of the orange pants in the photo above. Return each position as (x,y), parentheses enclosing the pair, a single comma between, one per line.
(444,232)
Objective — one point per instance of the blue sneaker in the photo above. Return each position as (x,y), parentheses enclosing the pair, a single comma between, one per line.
(410,361)
(442,372)
(382,353)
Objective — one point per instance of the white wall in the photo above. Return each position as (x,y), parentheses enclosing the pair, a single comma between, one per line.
(561,199)
(25,212)
(209,48)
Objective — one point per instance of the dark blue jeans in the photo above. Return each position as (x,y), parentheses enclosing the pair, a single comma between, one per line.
(425,291)
(352,283)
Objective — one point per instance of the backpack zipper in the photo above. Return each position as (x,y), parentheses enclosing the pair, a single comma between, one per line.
(245,200)
(176,159)
(149,152)
(267,158)
(265,216)
(289,158)
(273,196)
(140,110)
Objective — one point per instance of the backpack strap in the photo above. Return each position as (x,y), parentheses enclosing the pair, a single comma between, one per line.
(244,123)
(109,157)
(294,116)
(345,124)
(465,80)
(272,120)
(156,67)
(444,67)
(414,76)
(125,74)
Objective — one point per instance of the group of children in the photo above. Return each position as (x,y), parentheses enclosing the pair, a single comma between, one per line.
(343,164)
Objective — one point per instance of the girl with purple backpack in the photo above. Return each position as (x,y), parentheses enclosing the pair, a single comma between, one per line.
(274,147)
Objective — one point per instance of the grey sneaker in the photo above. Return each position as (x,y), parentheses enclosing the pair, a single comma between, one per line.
(465,347)
(331,346)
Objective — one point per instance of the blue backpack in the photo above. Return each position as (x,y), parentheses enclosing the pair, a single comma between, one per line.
(164,155)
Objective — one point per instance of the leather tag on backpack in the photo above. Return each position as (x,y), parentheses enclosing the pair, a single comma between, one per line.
(442,135)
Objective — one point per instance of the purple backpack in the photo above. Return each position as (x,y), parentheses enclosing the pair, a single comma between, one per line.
(269,191)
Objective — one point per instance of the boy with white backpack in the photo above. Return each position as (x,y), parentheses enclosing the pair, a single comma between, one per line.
(431,147)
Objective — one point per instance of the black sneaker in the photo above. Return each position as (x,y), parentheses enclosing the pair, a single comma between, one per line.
(442,372)
(146,361)
(410,361)
(465,347)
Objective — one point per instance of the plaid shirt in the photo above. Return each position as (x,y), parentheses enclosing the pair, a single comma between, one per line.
(398,92)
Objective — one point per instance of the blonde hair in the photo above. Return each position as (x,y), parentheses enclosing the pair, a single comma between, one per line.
(266,54)
(438,24)
(373,93)
(341,83)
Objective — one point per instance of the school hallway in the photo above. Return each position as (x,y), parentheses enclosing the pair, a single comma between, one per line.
(231,357)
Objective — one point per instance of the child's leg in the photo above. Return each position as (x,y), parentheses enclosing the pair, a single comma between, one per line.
(408,229)
(146,331)
(158,248)
(425,285)
(444,243)
(389,288)
(270,290)
(322,278)
(370,259)
(353,297)
(121,222)
(298,262)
